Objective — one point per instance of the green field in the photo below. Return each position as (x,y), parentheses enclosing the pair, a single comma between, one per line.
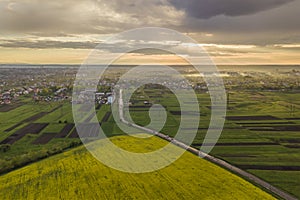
(242,143)
(76,174)
(260,146)
(23,151)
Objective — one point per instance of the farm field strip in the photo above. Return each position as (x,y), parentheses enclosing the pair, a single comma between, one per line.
(65,131)
(74,134)
(44,138)
(33,128)
(8,108)
(21,113)
(287,179)
(32,118)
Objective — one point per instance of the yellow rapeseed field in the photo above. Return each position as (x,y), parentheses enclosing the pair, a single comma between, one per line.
(76,174)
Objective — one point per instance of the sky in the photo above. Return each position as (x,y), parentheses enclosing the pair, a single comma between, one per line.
(231,31)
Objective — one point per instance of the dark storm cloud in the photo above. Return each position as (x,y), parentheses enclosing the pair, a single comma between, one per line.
(74,18)
(204,9)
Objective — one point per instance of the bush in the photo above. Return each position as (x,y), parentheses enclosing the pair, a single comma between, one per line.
(75,144)
(5,147)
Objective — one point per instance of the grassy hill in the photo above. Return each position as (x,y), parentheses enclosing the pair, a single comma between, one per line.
(76,174)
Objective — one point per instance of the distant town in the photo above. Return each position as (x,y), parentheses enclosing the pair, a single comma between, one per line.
(55,83)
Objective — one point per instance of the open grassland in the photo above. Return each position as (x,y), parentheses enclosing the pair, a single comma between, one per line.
(76,174)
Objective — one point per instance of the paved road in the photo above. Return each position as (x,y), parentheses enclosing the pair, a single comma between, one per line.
(208,157)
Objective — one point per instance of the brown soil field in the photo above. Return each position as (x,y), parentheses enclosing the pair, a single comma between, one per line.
(33,128)
(44,139)
(65,131)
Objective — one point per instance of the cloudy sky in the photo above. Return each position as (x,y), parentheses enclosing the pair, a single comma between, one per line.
(232,31)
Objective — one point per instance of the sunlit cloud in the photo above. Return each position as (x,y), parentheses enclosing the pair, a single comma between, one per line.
(287,45)
(227,46)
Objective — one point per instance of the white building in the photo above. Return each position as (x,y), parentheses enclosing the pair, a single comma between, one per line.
(110,99)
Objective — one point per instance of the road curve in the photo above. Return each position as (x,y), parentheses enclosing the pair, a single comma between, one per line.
(222,163)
